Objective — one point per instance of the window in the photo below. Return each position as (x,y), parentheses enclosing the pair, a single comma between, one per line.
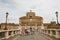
(30,16)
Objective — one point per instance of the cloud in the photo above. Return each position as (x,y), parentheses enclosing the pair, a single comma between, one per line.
(7,6)
(18,8)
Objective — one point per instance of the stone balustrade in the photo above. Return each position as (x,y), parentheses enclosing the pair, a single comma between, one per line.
(5,34)
(51,32)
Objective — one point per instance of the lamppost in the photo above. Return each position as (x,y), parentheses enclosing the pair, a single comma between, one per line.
(6,21)
(57,17)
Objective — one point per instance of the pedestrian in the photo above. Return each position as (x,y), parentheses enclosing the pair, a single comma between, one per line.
(26,31)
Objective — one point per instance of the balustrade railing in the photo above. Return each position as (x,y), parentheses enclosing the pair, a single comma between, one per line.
(5,34)
(51,32)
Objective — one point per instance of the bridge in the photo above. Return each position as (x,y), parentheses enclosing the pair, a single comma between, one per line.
(43,34)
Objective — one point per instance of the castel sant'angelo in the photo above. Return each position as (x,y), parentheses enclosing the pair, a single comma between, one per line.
(31,19)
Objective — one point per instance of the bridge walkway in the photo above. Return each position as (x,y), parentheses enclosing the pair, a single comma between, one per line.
(35,36)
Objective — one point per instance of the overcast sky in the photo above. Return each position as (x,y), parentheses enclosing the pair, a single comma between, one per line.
(18,8)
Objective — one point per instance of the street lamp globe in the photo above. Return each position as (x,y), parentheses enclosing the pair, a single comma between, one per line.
(57,16)
(56,13)
(6,13)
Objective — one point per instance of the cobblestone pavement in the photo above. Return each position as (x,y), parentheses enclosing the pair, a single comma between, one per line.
(35,36)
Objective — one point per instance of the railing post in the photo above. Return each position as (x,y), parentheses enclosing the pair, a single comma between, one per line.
(7,34)
(15,32)
(51,33)
(12,33)
(46,31)
(42,31)
(18,32)
(57,34)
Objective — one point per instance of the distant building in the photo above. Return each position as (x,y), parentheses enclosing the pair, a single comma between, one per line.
(30,19)
(9,26)
(50,25)
(46,25)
